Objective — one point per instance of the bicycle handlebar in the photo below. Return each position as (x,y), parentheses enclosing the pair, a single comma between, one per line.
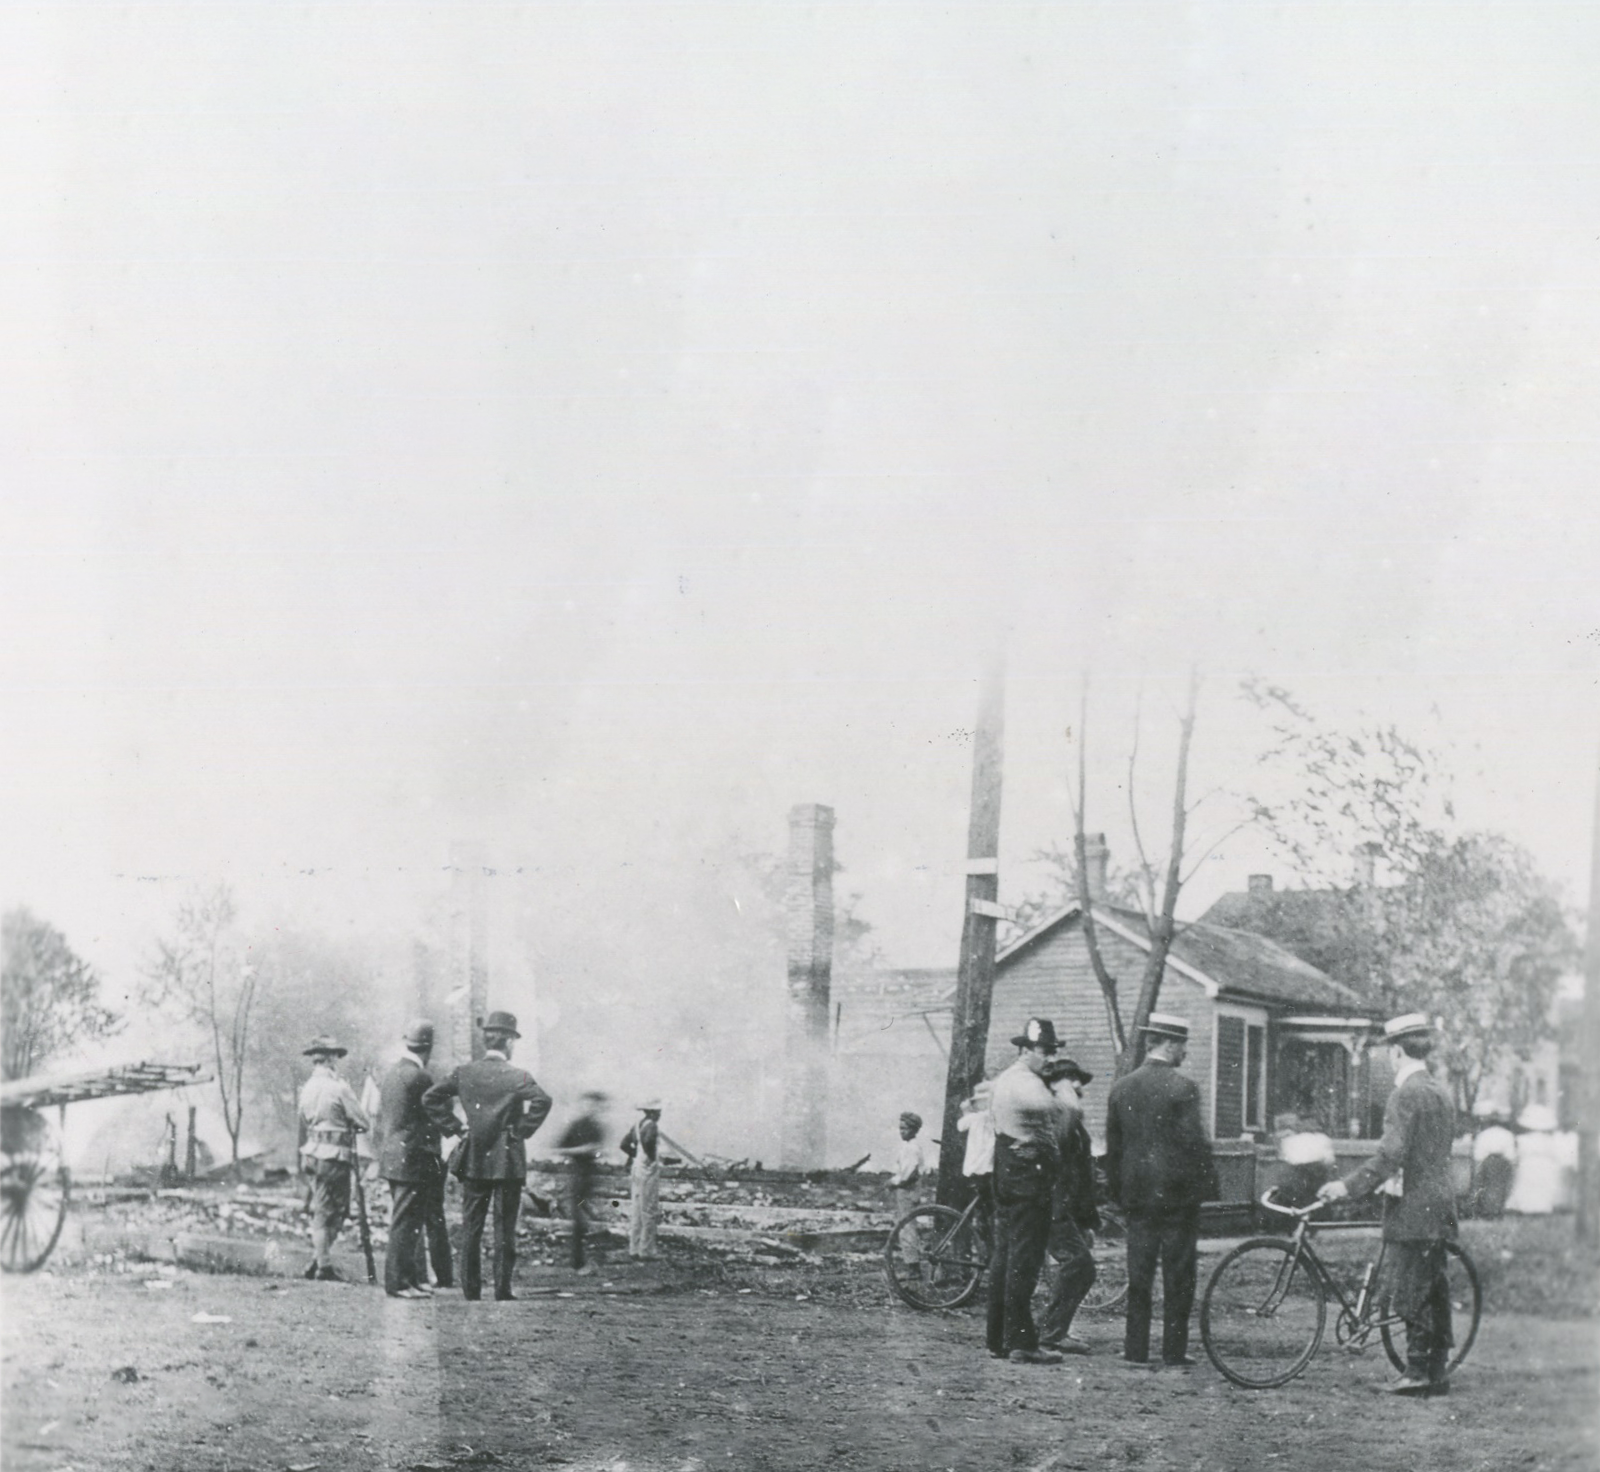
(1299,1211)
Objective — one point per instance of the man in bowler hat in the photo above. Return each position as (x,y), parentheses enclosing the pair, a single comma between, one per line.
(1419,1122)
(1159,1166)
(408,1158)
(504,1106)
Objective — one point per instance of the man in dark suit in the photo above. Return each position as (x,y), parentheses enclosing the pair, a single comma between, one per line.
(1160,1168)
(1419,1122)
(504,1106)
(408,1158)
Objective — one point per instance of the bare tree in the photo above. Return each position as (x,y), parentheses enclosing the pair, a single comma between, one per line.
(202,973)
(51,998)
(1158,887)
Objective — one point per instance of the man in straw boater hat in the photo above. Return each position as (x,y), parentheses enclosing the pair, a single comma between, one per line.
(408,1157)
(332,1116)
(1159,1167)
(504,1106)
(1418,1128)
(1027,1153)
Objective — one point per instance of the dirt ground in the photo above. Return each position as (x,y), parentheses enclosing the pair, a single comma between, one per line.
(647,1367)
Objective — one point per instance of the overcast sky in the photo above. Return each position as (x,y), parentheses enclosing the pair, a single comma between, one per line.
(593,428)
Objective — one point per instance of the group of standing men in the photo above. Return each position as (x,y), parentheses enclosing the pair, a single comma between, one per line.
(1158,1165)
(1159,1168)
(503,1106)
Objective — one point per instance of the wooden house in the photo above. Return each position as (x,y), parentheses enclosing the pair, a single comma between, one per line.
(1270,1034)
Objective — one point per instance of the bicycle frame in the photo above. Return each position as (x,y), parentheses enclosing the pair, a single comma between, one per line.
(1355,1324)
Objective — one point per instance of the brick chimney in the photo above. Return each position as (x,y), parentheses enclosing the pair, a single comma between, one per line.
(1095,858)
(809,904)
(1260,884)
(1366,863)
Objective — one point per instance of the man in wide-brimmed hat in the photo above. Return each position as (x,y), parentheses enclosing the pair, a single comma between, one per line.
(332,1116)
(1074,1215)
(1419,1123)
(1027,1152)
(642,1146)
(504,1106)
(1159,1167)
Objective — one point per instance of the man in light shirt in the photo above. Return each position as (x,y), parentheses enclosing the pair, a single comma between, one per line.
(333,1116)
(1027,1127)
(977,1163)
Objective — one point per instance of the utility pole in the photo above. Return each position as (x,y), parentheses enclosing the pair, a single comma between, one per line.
(1588,1222)
(969,1030)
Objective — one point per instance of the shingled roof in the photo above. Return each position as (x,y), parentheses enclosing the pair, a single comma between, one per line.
(1238,963)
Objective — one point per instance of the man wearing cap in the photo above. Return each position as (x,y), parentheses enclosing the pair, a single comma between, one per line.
(1160,1168)
(504,1106)
(642,1146)
(332,1116)
(1027,1124)
(408,1158)
(1074,1214)
(1418,1128)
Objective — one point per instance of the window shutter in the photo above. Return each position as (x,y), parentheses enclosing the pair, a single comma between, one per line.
(1254,1076)
(1230,1078)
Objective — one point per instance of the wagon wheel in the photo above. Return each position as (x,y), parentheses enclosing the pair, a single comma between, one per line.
(33,1189)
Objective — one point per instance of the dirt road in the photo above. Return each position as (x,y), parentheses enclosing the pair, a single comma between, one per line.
(104,1372)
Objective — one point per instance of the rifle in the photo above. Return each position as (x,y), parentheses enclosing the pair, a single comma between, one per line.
(361,1218)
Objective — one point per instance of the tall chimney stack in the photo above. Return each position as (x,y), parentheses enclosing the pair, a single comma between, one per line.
(1096,856)
(809,906)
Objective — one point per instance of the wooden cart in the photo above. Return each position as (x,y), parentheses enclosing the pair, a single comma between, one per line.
(34,1183)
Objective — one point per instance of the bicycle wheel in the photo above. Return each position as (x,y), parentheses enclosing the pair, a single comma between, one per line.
(1110,1291)
(1466,1308)
(34,1188)
(934,1257)
(1262,1315)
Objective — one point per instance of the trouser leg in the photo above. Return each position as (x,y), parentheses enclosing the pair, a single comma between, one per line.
(475,1198)
(905,1199)
(649,1212)
(1074,1278)
(999,1261)
(330,1205)
(577,1206)
(1028,1229)
(1144,1247)
(1422,1297)
(1180,1234)
(508,1201)
(436,1230)
(404,1252)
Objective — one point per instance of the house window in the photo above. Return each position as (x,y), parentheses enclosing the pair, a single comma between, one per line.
(1241,1076)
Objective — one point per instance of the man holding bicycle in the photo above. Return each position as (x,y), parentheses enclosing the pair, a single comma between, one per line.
(1418,1128)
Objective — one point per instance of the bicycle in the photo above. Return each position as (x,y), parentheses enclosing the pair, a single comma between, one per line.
(935,1257)
(1264,1310)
